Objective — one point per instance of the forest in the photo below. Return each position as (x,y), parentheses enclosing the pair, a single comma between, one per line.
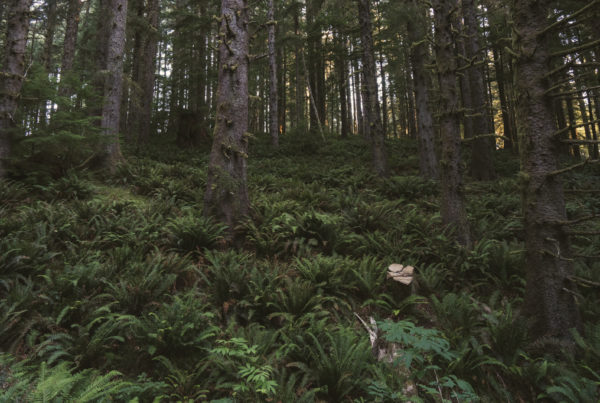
(299,201)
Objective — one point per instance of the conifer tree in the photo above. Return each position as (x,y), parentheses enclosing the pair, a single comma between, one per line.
(273,114)
(369,89)
(111,109)
(417,34)
(548,302)
(11,75)
(226,194)
(453,206)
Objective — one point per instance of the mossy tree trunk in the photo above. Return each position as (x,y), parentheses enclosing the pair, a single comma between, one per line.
(11,75)
(48,53)
(507,122)
(273,110)
(453,205)
(113,87)
(428,163)
(316,64)
(226,194)
(369,89)
(482,148)
(69,46)
(144,71)
(341,58)
(548,303)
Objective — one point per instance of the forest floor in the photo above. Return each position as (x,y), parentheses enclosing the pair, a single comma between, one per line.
(116,286)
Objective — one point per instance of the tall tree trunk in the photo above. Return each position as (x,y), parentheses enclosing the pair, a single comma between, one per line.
(273,106)
(226,194)
(596,151)
(47,55)
(370,89)
(132,65)
(572,124)
(584,118)
(282,85)
(410,99)
(49,37)
(11,75)
(464,79)
(146,75)
(592,148)
(177,68)
(393,110)
(340,65)
(315,67)
(551,308)
(428,164)
(559,113)
(114,83)
(453,206)
(300,90)
(69,46)
(359,102)
(384,97)
(482,162)
(510,138)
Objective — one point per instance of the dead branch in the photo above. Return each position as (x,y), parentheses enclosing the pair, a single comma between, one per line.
(568,18)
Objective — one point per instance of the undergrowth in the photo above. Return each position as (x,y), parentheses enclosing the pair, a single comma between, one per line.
(117,288)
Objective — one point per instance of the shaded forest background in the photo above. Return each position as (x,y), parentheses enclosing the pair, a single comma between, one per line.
(201,199)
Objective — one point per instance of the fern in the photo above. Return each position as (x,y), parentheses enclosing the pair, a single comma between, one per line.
(336,362)
(56,384)
(193,233)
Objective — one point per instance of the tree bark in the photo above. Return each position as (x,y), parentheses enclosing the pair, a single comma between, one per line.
(428,164)
(359,102)
(49,37)
(384,97)
(273,106)
(509,142)
(340,65)
(300,90)
(315,67)
(482,161)
(453,206)
(282,92)
(147,68)
(226,194)
(551,308)
(176,78)
(11,75)
(369,89)
(47,54)
(593,148)
(111,110)
(572,123)
(69,45)
(393,110)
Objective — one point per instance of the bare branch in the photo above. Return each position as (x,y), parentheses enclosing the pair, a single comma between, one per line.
(582,190)
(569,168)
(482,136)
(577,220)
(562,94)
(583,232)
(568,18)
(566,129)
(581,141)
(571,64)
(576,49)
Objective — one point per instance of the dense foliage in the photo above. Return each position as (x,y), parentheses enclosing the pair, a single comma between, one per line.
(114,287)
